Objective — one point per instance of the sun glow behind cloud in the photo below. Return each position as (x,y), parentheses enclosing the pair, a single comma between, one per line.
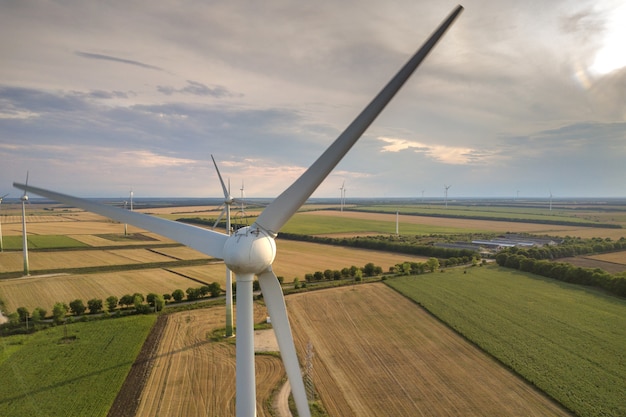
(612,55)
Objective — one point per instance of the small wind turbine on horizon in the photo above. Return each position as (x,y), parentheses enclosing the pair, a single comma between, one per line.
(251,250)
(1,244)
(550,200)
(446,187)
(131,209)
(342,198)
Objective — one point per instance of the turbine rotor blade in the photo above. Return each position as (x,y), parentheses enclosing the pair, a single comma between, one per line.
(275,302)
(286,204)
(226,191)
(203,240)
(219,218)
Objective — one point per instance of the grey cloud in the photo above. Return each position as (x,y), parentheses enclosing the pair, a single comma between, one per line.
(90,55)
(196,88)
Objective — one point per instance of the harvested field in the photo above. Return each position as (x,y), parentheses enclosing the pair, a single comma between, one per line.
(44,291)
(194,376)
(295,259)
(206,273)
(377,353)
(79,259)
(596,262)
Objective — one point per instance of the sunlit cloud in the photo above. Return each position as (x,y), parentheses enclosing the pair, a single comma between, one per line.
(446,154)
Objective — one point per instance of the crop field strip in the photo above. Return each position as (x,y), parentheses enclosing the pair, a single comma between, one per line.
(76,378)
(195,376)
(31,292)
(377,353)
(565,339)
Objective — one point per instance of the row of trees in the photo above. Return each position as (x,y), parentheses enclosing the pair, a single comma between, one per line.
(354,272)
(152,302)
(595,277)
(572,247)
(388,244)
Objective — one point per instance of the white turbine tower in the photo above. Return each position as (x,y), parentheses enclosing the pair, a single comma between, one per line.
(251,250)
(228,200)
(1,245)
(243,212)
(446,187)
(24,199)
(342,196)
(550,200)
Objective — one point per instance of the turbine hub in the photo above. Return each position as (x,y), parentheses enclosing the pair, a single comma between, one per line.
(249,250)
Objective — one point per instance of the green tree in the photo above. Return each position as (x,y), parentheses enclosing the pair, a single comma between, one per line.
(39,314)
(432,264)
(159,303)
(368,269)
(296,283)
(59,311)
(318,275)
(178,295)
(111,302)
(77,307)
(127,300)
(23,313)
(193,293)
(167,297)
(215,289)
(94,305)
(150,298)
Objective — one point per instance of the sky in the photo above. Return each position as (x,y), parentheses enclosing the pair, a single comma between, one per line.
(519,99)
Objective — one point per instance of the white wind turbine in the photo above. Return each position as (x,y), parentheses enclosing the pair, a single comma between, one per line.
(446,187)
(550,200)
(342,191)
(228,200)
(24,199)
(251,250)
(1,245)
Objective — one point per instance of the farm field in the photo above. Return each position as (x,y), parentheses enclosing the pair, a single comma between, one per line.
(566,339)
(194,376)
(354,223)
(44,291)
(43,375)
(378,353)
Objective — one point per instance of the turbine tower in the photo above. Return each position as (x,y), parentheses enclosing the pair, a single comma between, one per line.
(243,212)
(446,187)
(251,250)
(397,222)
(550,200)
(342,196)
(1,246)
(228,200)
(24,199)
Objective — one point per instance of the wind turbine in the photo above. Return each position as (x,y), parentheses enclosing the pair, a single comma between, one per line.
(228,200)
(446,187)
(243,212)
(131,209)
(1,246)
(342,191)
(24,199)
(251,250)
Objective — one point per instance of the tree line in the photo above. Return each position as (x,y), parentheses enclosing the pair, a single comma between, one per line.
(387,244)
(135,303)
(562,271)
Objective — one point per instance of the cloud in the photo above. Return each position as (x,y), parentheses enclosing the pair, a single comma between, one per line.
(90,55)
(197,89)
(441,153)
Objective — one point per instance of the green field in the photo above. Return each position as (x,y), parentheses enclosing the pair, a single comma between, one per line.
(527,214)
(42,242)
(567,340)
(41,375)
(310,224)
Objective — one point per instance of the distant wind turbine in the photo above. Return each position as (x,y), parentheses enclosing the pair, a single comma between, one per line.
(251,250)
(342,197)
(446,187)
(550,200)
(1,246)
(397,223)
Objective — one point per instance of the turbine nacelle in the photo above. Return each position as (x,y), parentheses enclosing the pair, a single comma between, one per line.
(250,250)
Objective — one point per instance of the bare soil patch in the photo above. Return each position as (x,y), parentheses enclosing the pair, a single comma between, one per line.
(377,353)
